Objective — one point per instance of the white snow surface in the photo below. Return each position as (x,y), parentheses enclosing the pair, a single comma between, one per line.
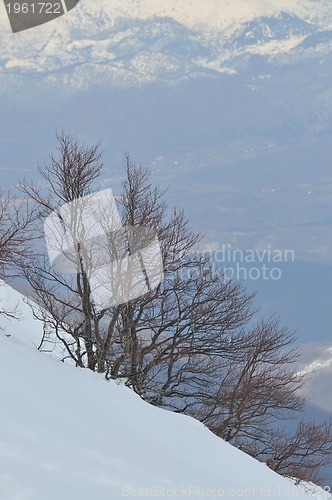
(67,433)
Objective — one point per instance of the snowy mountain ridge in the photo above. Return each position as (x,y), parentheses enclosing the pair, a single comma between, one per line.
(125,43)
(215,14)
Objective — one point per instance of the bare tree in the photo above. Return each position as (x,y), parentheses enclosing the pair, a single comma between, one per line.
(257,393)
(188,343)
(256,385)
(16,235)
(302,453)
(132,340)
(16,232)
(64,299)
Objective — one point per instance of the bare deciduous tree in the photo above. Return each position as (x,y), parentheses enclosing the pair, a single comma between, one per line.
(189,344)
(301,453)
(133,340)
(16,217)
(256,385)
(16,235)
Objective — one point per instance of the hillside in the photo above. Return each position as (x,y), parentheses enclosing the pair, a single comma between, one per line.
(68,433)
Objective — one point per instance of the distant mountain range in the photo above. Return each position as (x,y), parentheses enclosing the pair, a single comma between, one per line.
(89,47)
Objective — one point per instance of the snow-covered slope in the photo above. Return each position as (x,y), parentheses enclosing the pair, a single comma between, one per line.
(67,433)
